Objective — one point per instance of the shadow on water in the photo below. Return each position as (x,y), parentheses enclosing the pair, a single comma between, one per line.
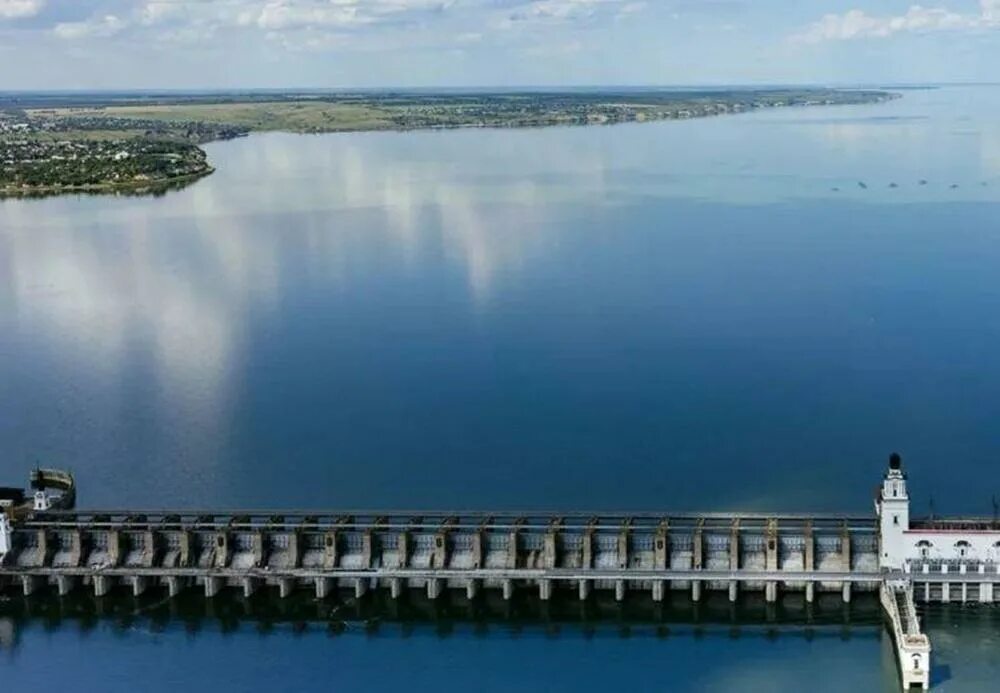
(377,614)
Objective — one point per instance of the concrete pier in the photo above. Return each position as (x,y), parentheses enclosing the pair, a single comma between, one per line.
(212,586)
(102,585)
(174,585)
(65,584)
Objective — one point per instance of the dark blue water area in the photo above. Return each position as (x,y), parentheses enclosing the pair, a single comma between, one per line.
(419,660)
(665,355)
(728,313)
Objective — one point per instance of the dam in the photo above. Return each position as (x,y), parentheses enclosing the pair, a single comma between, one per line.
(48,544)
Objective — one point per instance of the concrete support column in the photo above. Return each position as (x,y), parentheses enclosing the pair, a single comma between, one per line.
(212,586)
(323,586)
(511,562)
(29,583)
(619,590)
(477,549)
(221,558)
(249,586)
(696,590)
(845,560)
(395,588)
(403,549)
(102,585)
(139,583)
(549,553)
(360,587)
(772,560)
(330,550)
(587,549)
(810,592)
(545,590)
(809,548)
(285,587)
(114,547)
(295,548)
(257,548)
(367,549)
(174,585)
(471,589)
(76,548)
(985,593)
(734,545)
(433,588)
(623,536)
(965,592)
(65,584)
(771,592)
(698,546)
(659,590)
(927,592)
(584,589)
(42,539)
(508,589)
(734,559)
(661,547)
(148,548)
(946,592)
(184,548)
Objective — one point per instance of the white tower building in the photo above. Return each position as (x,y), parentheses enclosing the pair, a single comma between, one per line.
(893,509)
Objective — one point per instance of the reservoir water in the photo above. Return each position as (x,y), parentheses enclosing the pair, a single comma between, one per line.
(738,312)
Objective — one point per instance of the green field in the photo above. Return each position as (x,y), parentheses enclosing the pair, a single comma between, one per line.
(258,116)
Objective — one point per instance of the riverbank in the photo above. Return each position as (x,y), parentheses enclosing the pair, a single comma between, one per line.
(144,187)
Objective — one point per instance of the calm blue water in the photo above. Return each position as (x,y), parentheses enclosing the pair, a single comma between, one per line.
(706,314)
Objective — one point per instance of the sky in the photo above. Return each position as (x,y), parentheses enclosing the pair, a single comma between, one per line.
(203,44)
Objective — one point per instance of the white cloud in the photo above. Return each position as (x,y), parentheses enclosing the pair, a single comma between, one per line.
(101,27)
(858,24)
(19,9)
(291,14)
(160,11)
(570,10)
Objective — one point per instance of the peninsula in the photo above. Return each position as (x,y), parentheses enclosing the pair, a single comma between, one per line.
(143,142)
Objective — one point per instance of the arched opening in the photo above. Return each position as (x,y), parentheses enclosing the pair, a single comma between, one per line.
(924,548)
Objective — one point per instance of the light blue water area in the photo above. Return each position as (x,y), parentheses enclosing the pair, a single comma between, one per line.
(737,312)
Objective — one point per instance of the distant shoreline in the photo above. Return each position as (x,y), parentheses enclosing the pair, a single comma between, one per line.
(92,143)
